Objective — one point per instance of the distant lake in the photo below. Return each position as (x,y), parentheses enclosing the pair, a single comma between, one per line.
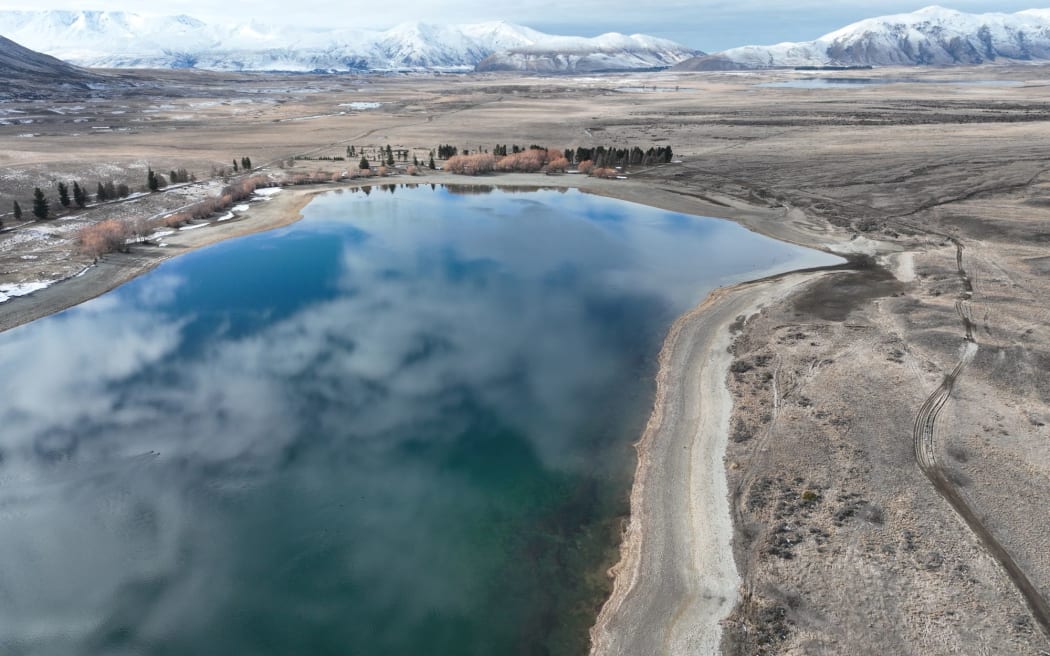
(401,425)
(854,82)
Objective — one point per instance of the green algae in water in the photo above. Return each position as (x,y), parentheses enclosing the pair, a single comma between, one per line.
(399,426)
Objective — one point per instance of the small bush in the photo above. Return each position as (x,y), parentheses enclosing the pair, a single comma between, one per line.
(104,237)
(559,165)
(470,164)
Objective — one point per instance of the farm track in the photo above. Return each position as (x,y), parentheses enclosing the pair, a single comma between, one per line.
(924,436)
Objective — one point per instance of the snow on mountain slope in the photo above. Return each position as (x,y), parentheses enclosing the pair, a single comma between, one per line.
(125,40)
(931,36)
(608,52)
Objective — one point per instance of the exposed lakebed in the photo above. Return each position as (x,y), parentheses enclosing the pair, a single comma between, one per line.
(401,425)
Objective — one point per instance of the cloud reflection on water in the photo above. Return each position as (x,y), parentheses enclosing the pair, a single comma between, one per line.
(176,449)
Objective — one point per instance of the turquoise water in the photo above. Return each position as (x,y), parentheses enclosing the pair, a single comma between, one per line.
(401,425)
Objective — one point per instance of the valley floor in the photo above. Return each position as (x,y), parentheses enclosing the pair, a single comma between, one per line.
(886,465)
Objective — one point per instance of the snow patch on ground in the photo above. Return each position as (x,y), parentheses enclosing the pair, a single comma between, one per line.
(24,236)
(225,217)
(360,106)
(269,191)
(7,292)
(193,227)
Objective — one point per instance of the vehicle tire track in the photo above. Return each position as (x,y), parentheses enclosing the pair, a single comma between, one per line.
(925,446)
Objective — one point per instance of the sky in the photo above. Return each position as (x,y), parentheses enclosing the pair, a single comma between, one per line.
(708,25)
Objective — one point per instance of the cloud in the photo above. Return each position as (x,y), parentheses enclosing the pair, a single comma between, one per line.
(707,24)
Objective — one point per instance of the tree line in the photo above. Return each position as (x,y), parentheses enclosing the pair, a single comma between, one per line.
(599,161)
(78,196)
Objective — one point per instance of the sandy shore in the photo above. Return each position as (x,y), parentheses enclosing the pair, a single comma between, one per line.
(676,579)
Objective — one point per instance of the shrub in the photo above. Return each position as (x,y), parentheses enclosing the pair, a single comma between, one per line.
(104,237)
(586,166)
(558,165)
(528,161)
(476,164)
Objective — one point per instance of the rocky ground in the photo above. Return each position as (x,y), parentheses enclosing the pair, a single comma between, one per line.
(888,456)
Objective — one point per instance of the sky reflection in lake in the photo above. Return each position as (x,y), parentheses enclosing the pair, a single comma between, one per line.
(399,426)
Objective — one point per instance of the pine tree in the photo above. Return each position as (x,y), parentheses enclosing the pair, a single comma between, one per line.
(63,194)
(100,193)
(363,165)
(40,205)
(18,211)
(234,166)
(431,164)
(151,180)
(79,195)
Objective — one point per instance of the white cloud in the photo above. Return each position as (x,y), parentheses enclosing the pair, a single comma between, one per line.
(707,24)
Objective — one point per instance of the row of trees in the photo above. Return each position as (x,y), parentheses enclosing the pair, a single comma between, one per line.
(535,158)
(41,205)
(621,157)
(156,181)
(79,197)
(70,196)
(110,191)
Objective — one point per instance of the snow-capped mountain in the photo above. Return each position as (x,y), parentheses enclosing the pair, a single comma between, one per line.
(103,39)
(608,52)
(931,36)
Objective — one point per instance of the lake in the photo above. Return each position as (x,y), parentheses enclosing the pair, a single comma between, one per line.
(402,425)
(858,82)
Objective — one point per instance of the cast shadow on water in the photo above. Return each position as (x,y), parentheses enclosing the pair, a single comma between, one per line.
(399,426)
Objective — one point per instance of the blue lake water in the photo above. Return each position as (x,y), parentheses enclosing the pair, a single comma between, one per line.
(401,425)
(859,82)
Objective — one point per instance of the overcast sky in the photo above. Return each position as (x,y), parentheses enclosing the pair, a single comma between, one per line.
(709,25)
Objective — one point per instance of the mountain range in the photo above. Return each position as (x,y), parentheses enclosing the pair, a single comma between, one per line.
(102,39)
(933,36)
